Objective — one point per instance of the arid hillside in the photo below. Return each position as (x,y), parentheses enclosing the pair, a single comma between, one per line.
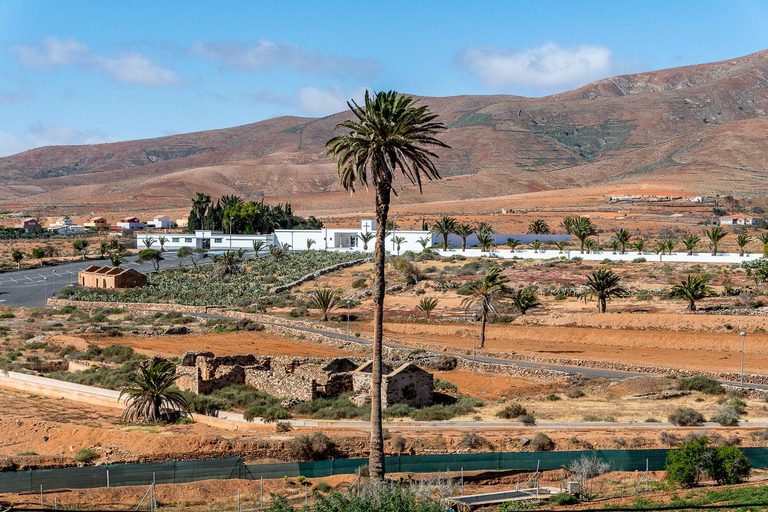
(697,129)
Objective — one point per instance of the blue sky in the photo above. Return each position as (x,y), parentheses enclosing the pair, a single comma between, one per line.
(79,72)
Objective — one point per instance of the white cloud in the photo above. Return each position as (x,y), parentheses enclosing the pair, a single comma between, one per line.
(131,68)
(544,67)
(264,55)
(312,100)
(49,135)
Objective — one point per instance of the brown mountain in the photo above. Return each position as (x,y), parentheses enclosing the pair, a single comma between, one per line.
(698,129)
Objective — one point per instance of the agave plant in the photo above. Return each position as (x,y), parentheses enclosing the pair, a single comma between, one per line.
(426,305)
(149,398)
(325,300)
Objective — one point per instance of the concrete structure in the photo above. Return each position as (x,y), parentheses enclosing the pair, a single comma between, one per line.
(110,277)
(130,223)
(303,379)
(206,239)
(182,223)
(65,226)
(28,224)
(738,219)
(97,223)
(161,222)
(501,238)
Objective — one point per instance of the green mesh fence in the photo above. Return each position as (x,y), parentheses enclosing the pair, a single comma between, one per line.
(219,469)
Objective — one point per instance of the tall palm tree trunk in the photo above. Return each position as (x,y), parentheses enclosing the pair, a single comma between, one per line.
(483,320)
(445,241)
(582,245)
(376,457)
(463,244)
(601,304)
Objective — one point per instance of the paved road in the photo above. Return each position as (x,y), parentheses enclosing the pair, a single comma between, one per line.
(32,287)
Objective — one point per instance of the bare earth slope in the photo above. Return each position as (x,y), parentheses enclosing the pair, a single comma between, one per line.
(696,129)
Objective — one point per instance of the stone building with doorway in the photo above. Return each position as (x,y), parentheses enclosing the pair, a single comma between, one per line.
(110,277)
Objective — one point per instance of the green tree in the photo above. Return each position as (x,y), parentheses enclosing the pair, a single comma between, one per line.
(683,464)
(727,465)
(325,300)
(152,255)
(639,246)
(258,245)
(149,398)
(715,235)
(464,231)
(513,244)
(487,296)
(538,227)
(603,285)
(690,243)
(742,240)
(38,253)
(582,228)
(17,256)
(524,299)
(389,133)
(103,249)
(310,243)
(692,289)
(424,242)
(162,240)
(81,245)
(623,237)
(567,225)
(485,240)
(200,205)
(366,237)
(426,305)
(764,240)
(198,255)
(444,227)
(149,242)
(184,252)
(398,240)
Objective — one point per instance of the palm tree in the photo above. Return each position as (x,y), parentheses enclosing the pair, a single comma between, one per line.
(590,245)
(149,398)
(163,240)
(424,242)
(604,284)
(17,256)
(615,246)
(661,247)
(325,300)
(561,246)
(538,227)
(200,205)
(227,263)
(764,240)
(464,230)
(485,240)
(387,134)
(426,305)
(445,226)
(398,240)
(623,237)
(487,296)
(366,237)
(310,243)
(567,225)
(742,240)
(103,249)
(525,299)
(670,246)
(258,245)
(690,242)
(513,244)
(582,228)
(692,288)
(484,228)
(149,242)
(536,245)
(639,246)
(117,259)
(715,235)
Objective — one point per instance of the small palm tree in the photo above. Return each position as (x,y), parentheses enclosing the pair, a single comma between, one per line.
(426,305)
(258,245)
(366,237)
(742,240)
(103,249)
(538,227)
(715,235)
(117,259)
(277,253)
(227,263)
(623,237)
(444,227)
(582,228)
(692,289)
(639,246)
(162,240)
(536,245)
(513,244)
(149,242)
(484,228)
(493,288)
(615,246)
(670,246)
(561,246)
(661,247)
(764,240)
(424,242)
(324,299)
(485,240)
(310,243)
(149,398)
(590,245)
(398,240)
(525,299)
(464,231)
(690,242)
(604,284)
(567,225)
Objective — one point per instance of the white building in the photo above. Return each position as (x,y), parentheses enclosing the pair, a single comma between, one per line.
(739,219)
(206,239)
(160,223)
(130,223)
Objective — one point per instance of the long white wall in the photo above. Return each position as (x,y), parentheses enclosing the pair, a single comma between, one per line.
(332,239)
(677,257)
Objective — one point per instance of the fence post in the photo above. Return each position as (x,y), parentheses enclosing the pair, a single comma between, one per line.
(107,477)
(262,492)
(462,480)
(41,497)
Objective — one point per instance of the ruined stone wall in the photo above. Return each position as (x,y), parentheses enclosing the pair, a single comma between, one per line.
(413,388)
(189,378)
(281,385)
(337,384)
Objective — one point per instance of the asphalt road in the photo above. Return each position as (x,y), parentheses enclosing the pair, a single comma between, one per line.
(32,287)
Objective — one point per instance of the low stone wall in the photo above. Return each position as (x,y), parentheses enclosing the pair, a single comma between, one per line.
(281,385)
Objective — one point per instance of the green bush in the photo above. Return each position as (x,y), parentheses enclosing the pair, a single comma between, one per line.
(323,487)
(317,446)
(359,283)
(527,419)
(86,455)
(726,417)
(337,408)
(727,465)
(563,498)
(512,412)
(700,383)
(686,417)
(553,397)
(639,260)
(117,353)
(444,385)
(683,463)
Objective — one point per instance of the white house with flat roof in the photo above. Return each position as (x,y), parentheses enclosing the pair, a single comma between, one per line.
(161,222)
(205,239)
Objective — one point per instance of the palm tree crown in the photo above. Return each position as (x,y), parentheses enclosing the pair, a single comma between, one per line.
(464,230)
(149,398)
(604,284)
(715,235)
(692,289)
(445,226)
(325,300)
(582,228)
(538,227)
(486,297)
(623,236)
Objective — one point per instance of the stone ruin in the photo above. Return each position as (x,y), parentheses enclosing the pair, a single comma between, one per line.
(302,379)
